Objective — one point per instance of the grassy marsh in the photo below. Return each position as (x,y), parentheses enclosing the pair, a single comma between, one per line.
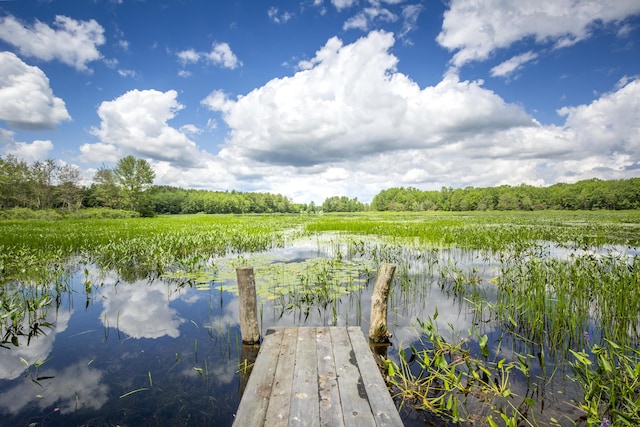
(552,294)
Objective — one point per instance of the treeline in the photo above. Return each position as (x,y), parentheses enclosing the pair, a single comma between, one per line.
(342,204)
(41,185)
(172,200)
(129,186)
(586,195)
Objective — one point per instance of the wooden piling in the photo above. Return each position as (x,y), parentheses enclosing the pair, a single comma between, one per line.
(248,309)
(378,331)
(248,356)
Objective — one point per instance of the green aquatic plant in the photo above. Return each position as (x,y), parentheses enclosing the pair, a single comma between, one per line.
(137,247)
(315,279)
(552,300)
(609,375)
(444,380)
(24,312)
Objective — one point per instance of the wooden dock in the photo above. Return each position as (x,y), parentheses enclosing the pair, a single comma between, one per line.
(316,376)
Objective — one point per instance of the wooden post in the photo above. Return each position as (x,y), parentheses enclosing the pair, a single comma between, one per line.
(248,306)
(248,356)
(378,324)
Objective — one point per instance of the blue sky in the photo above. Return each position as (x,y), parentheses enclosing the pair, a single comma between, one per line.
(318,98)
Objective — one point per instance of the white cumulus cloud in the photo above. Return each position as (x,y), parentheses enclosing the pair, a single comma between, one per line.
(343,4)
(220,55)
(189,56)
(279,17)
(36,151)
(26,99)
(364,19)
(351,101)
(513,64)
(608,126)
(474,29)
(137,123)
(72,42)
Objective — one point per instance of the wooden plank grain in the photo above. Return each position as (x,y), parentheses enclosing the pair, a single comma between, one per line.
(254,403)
(353,396)
(305,410)
(382,406)
(328,392)
(308,376)
(278,411)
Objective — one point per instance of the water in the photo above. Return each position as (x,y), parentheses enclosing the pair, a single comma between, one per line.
(143,353)
(167,352)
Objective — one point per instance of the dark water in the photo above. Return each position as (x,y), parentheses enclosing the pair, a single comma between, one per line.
(173,349)
(161,353)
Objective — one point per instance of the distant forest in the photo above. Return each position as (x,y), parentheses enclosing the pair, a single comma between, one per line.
(129,186)
(587,195)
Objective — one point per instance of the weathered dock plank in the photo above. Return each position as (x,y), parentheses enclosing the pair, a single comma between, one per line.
(305,409)
(377,391)
(280,400)
(329,394)
(260,384)
(355,404)
(308,376)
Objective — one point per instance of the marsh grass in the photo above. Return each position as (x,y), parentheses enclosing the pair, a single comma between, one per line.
(136,247)
(553,301)
(445,378)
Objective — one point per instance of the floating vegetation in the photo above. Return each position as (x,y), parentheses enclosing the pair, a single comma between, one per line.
(297,285)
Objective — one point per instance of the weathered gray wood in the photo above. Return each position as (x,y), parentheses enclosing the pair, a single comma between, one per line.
(255,400)
(328,392)
(248,309)
(378,331)
(382,406)
(316,376)
(305,410)
(355,405)
(280,401)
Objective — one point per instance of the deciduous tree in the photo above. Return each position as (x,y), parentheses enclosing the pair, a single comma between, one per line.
(134,176)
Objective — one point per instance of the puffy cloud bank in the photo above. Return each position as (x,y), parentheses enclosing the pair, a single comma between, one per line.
(350,123)
(351,101)
(475,29)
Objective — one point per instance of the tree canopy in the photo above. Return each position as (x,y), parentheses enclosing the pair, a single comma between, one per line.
(587,195)
(134,176)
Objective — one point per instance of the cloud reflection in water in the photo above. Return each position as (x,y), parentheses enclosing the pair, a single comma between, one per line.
(77,386)
(141,309)
(38,349)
